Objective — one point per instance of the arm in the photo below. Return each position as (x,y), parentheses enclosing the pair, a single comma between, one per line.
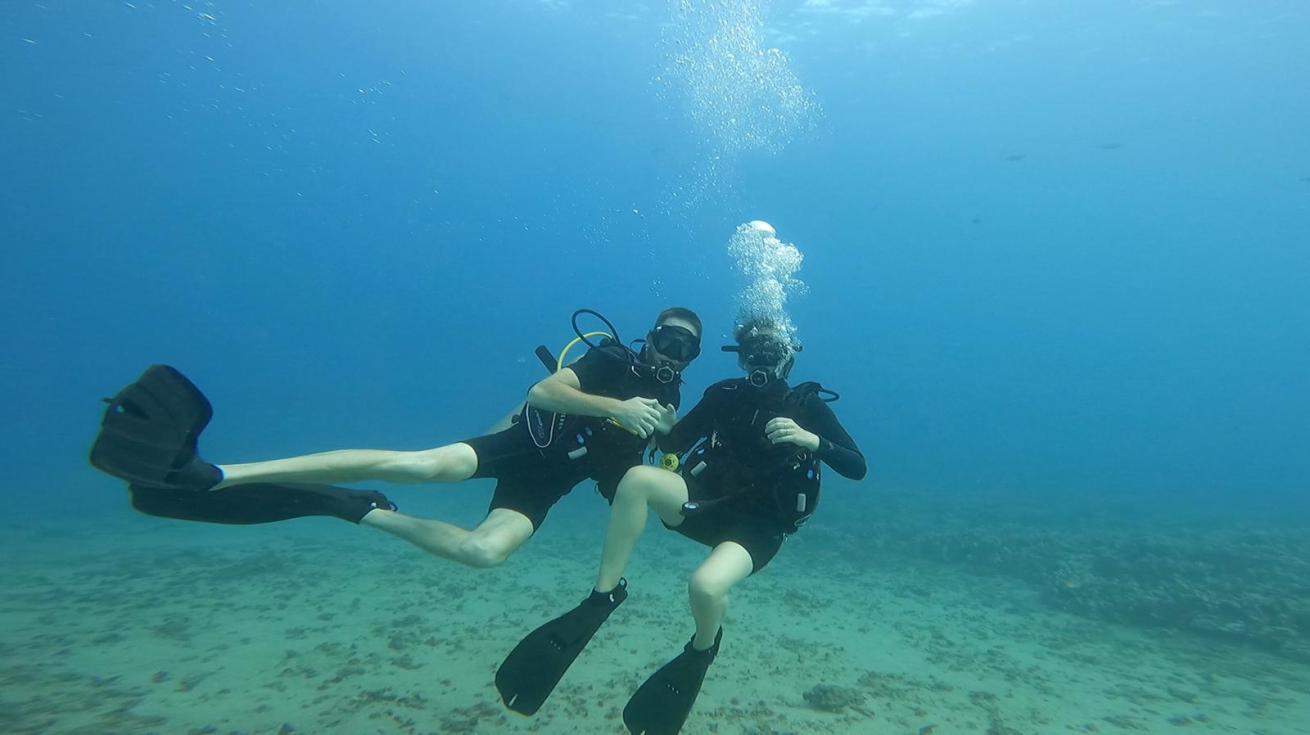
(828,440)
(562,393)
(836,447)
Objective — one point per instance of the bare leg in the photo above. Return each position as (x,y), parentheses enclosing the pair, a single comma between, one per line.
(728,564)
(499,535)
(451,463)
(642,487)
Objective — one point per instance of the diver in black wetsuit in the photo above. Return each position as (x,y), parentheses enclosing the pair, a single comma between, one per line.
(589,419)
(749,476)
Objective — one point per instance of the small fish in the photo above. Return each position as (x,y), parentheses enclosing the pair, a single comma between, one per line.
(1015,157)
(1113,146)
(977,220)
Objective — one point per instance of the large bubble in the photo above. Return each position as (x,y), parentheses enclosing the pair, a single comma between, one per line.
(769,267)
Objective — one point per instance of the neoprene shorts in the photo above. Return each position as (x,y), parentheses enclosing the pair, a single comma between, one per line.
(760,536)
(527,481)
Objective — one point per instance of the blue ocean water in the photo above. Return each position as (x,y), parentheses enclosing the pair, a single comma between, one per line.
(1050,247)
(1053,249)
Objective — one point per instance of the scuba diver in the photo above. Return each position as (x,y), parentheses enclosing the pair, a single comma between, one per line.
(592,418)
(741,473)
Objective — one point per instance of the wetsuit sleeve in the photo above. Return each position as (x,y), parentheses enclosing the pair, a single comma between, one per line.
(836,448)
(595,371)
(692,426)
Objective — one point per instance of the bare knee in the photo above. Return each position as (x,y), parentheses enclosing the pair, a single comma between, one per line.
(443,464)
(637,482)
(482,552)
(706,588)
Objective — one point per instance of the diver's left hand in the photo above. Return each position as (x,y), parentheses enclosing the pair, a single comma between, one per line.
(785,431)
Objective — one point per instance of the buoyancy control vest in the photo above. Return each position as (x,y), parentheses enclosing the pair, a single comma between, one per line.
(737,461)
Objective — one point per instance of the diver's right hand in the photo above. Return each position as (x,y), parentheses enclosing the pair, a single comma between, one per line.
(638,415)
(668,417)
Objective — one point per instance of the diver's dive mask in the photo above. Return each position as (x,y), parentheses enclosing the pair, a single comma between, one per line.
(674,342)
(765,356)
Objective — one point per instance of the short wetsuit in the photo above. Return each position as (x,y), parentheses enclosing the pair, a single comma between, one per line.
(744,468)
(531,478)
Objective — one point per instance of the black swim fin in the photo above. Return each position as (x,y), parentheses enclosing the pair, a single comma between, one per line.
(149,432)
(531,671)
(662,704)
(259,502)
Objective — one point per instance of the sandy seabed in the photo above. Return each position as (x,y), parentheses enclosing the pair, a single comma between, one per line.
(139,625)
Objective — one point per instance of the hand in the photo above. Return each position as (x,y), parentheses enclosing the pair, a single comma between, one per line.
(668,417)
(638,415)
(785,431)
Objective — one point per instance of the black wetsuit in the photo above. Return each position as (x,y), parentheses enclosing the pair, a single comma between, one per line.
(540,458)
(748,487)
